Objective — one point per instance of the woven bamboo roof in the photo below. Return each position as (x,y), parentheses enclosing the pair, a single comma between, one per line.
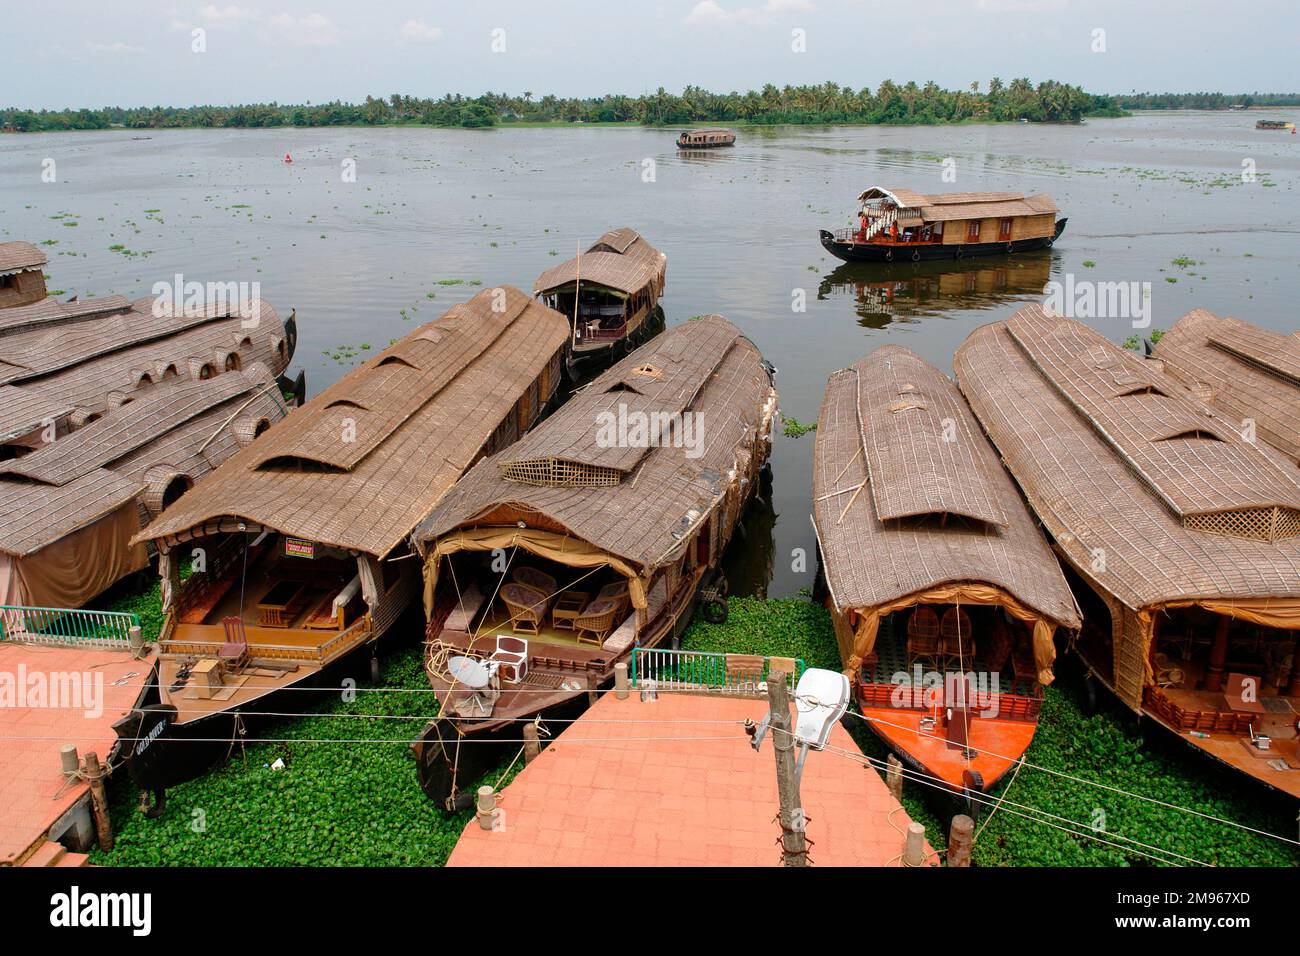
(49,312)
(19,257)
(1244,371)
(183,428)
(1112,506)
(635,503)
(943,207)
(620,259)
(23,411)
(908,494)
(361,463)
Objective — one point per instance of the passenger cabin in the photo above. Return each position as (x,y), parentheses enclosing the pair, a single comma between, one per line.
(1181,538)
(296,542)
(941,587)
(551,560)
(22,274)
(1250,375)
(609,293)
(899,224)
(707,138)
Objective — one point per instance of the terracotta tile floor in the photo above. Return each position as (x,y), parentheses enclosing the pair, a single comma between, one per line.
(31,799)
(654,797)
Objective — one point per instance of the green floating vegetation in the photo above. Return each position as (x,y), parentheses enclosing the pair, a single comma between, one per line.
(794,428)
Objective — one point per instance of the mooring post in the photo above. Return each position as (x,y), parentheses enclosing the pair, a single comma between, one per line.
(487,808)
(914,845)
(532,747)
(894,777)
(959,840)
(794,848)
(620,680)
(135,639)
(69,762)
(94,773)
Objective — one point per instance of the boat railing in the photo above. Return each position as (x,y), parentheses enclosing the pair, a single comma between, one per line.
(735,675)
(66,627)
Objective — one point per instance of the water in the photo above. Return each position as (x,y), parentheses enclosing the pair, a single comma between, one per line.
(739,227)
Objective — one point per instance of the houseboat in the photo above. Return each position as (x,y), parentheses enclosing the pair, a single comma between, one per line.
(109,411)
(901,225)
(944,594)
(1248,374)
(1274,124)
(597,533)
(706,138)
(610,293)
(297,543)
(1181,538)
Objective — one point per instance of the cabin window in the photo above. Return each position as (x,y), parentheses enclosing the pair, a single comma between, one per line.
(973,230)
(170,372)
(8,282)
(1004,229)
(232,362)
(207,371)
(145,379)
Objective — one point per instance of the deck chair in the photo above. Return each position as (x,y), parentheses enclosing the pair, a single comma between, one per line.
(512,655)
(923,635)
(527,607)
(234,652)
(535,579)
(956,643)
(596,621)
(617,591)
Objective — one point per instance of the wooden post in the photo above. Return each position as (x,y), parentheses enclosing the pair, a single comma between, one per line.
(487,808)
(1218,656)
(620,680)
(99,800)
(914,845)
(959,840)
(794,848)
(135,639)
(69,762)
(894,777)
(531,745)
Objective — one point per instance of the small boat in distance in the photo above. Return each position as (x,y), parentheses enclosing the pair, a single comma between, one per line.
(710,138)
(610,294)
(898,224)
(1274,124)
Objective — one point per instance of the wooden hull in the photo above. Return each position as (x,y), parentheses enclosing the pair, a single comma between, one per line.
(681,145)
(925,252)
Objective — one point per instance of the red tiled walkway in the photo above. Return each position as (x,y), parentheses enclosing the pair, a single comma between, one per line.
(652,796)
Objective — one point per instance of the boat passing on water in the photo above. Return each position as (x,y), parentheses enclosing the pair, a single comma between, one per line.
(899,224)
(1274,124)
(708,138)
(944,594)
(610,293)
(297,543)
(598,532)
(1180,536)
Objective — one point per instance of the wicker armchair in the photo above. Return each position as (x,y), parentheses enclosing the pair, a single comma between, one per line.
(923,635)
(596,621)
(527,607)
(616,591)
(534,579)
(956,642)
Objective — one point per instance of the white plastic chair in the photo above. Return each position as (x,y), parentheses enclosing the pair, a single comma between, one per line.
(512,655)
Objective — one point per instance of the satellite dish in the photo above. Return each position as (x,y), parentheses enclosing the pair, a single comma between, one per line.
(820,700)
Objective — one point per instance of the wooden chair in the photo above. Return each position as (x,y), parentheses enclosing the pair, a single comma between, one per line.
(923,635)
(234,652)
(535,578)
(527,607)
(956,642)
(512,655)
(596,621)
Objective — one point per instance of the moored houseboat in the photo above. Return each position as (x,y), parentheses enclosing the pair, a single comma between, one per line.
(1275,124)
(610,294)
(944,594)
(712,137)
(549,562)
(297,543)
(1180,537)
(1249,374)
(902,225)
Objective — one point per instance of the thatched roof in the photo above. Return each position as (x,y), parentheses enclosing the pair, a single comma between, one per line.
(1244,371)
(185,428)
(942,207)
(937,507)
(620,259)
(1099,442)
(19,257)
(636,503)
(50,312)
(362,462)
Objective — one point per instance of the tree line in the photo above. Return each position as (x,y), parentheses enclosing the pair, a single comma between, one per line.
(1203,101)
(890,102)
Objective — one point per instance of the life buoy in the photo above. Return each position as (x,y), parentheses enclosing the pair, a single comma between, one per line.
(916,255)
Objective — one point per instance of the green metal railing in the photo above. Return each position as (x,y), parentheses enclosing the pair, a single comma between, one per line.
(66,627)
(738,674)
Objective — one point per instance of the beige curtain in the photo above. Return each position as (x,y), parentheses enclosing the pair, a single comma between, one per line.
(559,548)
(77,567)
(864,641)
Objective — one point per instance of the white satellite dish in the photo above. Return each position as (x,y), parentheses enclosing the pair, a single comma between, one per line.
(820,700)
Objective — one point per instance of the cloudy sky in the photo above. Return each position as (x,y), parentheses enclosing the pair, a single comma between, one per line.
(135,52)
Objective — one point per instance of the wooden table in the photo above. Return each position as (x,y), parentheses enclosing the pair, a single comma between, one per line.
(277,601)
(567,607)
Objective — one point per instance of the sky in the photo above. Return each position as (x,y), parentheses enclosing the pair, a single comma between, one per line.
(94,53)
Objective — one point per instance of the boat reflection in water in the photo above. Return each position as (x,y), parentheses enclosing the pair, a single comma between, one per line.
(903,292)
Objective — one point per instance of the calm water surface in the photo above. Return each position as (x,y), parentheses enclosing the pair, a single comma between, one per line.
(360,260)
